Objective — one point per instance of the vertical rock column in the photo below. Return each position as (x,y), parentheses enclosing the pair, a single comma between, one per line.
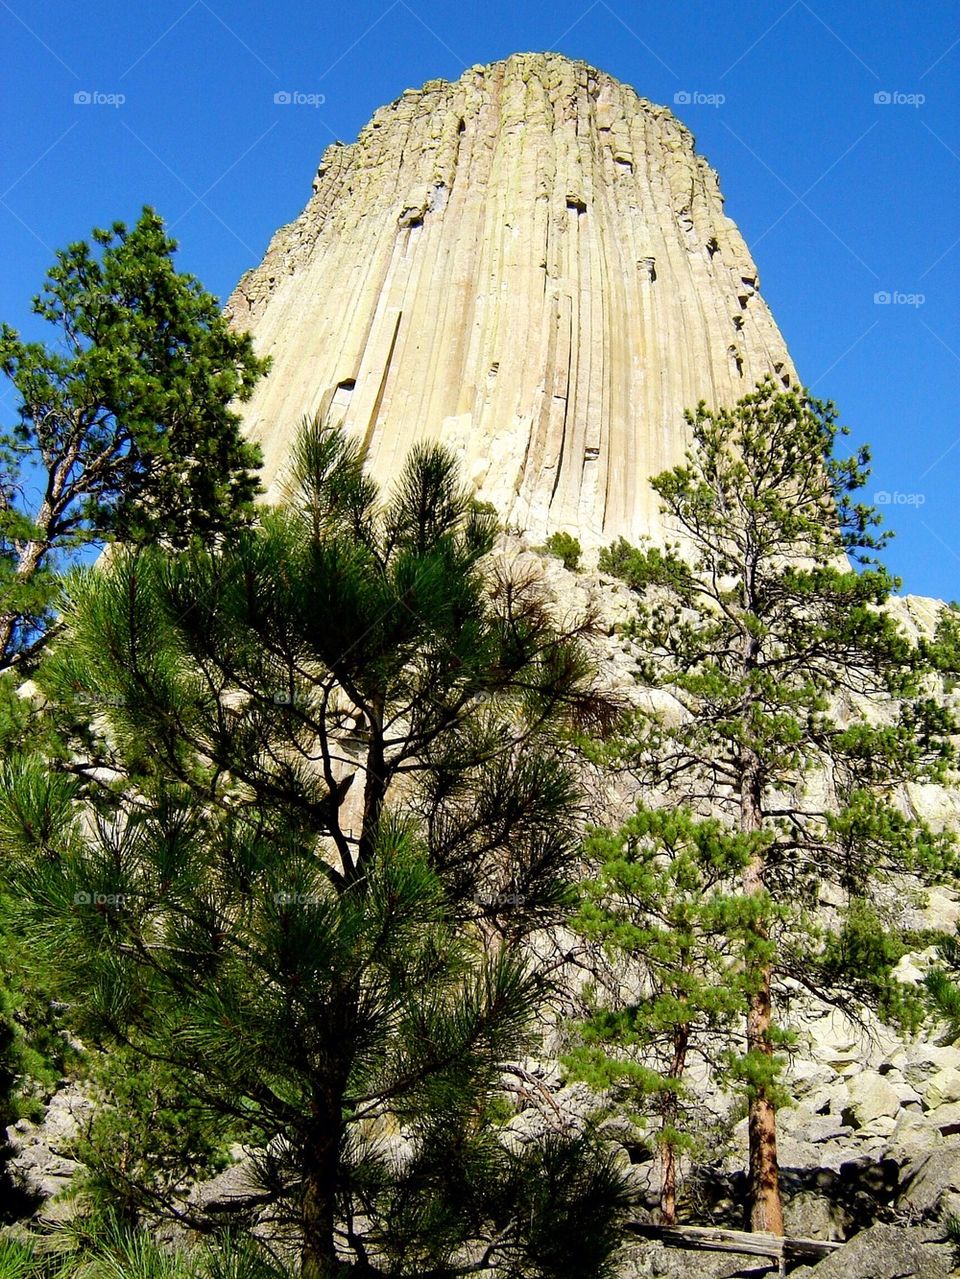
(531,264)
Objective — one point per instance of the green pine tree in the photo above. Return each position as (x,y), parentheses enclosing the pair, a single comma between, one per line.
(327,800)
(566,548)
(661,906)
(147,1139)
(35,1050)
(127,425)
(772,645)
(943,987)
(943,650)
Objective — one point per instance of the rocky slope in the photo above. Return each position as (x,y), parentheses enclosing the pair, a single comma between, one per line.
(871,1141)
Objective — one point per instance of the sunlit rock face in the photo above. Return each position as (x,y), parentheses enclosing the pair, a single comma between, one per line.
(531,264)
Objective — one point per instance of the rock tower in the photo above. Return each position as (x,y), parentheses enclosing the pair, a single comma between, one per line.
(531,264)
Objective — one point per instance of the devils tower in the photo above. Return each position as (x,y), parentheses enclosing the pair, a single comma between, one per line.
(531,264)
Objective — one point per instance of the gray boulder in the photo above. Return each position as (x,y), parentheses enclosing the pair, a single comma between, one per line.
(885,1252)
(942,1089)
(946,1119)
(810,1215)
(39,1167)
(931,1184)
(235,1192)
(870,1097)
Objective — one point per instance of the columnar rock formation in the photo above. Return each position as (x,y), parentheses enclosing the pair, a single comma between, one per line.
(531,264)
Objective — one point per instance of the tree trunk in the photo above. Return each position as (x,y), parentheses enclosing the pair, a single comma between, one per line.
(7,623)
(321,1167)
(668,1184)
(763,1174)
(29,560)
(766,1207)
(375,786)
(668,1120)
(763,1177)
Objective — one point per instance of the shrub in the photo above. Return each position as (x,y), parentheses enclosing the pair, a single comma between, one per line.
(566,548)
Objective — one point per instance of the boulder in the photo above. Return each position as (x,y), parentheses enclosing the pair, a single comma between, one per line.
(925,1059)
(885,1252)
(654,1261)
(235,1190)
(814,1216)
(931,1184)
(945,1118)
(909,971)
(833,1039)
(829,1154)
(39,1166)
(942,1088)
(870,1097)
(914,1137)
(877,1130)
(808,1077)
(576,1103)
(910,1099)
(803,1126)
(836,1046)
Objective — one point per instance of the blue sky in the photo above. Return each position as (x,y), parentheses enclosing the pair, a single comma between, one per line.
(840,196)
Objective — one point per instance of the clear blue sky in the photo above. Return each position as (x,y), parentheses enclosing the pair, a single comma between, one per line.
(840,197)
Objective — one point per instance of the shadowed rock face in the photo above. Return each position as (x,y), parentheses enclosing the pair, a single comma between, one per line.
(531,264)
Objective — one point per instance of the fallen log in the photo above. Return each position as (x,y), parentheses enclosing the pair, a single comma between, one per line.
(777,1248)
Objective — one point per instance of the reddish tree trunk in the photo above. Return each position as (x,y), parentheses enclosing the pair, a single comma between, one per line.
(668,1120)
(766,1206)
(763,1176)
(668,1184)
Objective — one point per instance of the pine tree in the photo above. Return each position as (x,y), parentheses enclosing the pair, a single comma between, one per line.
(662,907)
(127,426)
(774,647)
(943,650)
(566,548)
(317,971)
(942,984)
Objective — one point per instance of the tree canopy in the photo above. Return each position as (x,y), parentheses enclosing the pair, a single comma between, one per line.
(326,799)
(126,424)
(800,706)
